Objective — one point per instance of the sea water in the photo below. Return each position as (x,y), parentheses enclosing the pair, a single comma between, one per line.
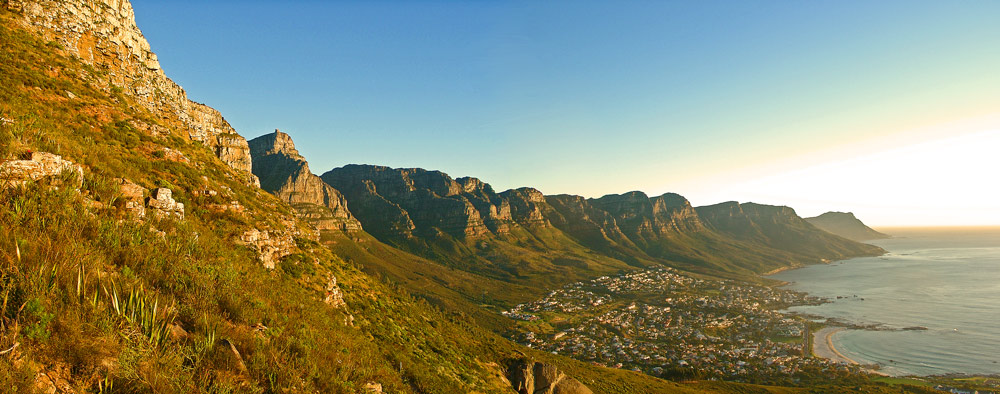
(947,280)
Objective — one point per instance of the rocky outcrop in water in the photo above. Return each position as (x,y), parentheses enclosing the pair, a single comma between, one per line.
(285,173)
(103,33)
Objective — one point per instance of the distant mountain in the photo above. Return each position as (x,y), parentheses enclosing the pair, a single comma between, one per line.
(230,267)
(846,225)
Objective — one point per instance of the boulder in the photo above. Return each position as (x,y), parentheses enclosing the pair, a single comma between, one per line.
(41,167)
(527,377)
(162,204)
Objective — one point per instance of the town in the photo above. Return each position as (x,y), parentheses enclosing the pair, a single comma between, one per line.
(665,323)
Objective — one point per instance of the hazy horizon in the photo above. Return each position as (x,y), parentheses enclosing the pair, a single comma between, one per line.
(886,110)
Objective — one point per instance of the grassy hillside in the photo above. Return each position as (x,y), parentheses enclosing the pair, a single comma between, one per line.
(93,299)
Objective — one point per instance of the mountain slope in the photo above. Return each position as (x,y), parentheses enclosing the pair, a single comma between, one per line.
(846,225)
(138,252)
(781,228)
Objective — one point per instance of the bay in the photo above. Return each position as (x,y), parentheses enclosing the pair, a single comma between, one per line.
(947,280)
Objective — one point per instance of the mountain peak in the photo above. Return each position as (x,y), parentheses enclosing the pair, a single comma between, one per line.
(846,225)
(274,143)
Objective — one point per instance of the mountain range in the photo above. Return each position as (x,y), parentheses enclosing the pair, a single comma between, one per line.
(149,247)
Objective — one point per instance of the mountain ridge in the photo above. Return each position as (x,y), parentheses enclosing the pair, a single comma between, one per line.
(250,290)
(846,225)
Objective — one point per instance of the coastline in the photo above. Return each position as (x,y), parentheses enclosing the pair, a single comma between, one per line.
(823,347)
(777,270)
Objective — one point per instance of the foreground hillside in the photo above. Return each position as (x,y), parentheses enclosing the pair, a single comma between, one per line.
(138,254)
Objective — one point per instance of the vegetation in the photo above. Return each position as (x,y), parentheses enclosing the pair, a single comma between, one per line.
(107,302)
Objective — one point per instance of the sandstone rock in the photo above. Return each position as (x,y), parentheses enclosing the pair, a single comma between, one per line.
(103,33)
(162,203)
(398,202)
(528,377)
(270,246)
(334,297)
(285,173)
(41,167)
(132,197)
(526,206)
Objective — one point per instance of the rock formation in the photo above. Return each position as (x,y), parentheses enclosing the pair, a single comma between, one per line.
(538,378)
(131,197)
(401,202)
(40,166)
(269,245)
(103,33)
(846,225)
(162,204)
(333,296)
(285,173)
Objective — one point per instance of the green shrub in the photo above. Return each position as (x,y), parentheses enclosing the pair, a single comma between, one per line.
(38,320)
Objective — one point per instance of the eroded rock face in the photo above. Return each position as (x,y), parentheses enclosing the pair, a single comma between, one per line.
(285,173)
(334,297)
(41,166)
(526,206)
(641,216)
(538,378)
(404,202)
(270,245)
(103,33)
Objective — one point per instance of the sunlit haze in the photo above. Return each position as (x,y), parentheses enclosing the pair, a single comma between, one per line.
(887,109)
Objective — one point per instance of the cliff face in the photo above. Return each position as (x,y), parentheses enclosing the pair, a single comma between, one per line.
(285,173)
(781,228)
(403,202)
(846,225)
(103,33)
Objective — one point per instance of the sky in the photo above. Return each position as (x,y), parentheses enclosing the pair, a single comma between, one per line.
(887,109)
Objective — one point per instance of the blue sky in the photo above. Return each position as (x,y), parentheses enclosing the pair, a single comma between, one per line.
(703,98)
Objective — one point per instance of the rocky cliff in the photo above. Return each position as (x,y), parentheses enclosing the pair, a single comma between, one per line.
(527,377)
(103,33)
(285,173)
(781,228)
(521,232)
(846,225)
(394,202)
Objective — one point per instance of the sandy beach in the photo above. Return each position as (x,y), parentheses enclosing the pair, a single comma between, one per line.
(823,345)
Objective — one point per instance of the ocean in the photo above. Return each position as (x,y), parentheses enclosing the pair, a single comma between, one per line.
(947,280)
